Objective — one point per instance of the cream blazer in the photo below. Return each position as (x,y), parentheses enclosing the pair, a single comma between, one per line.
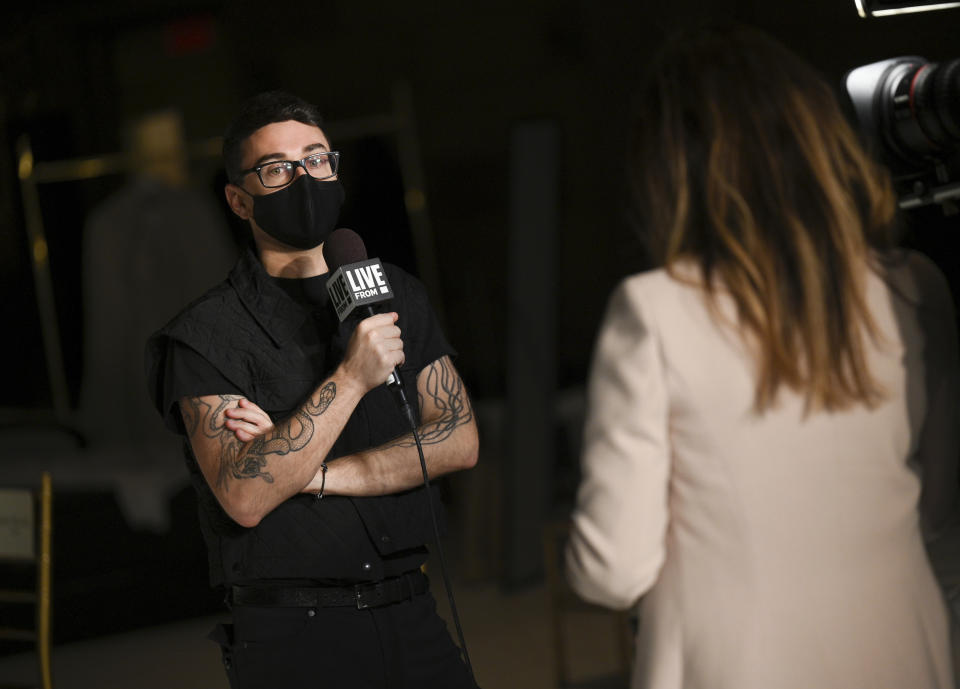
(773,551)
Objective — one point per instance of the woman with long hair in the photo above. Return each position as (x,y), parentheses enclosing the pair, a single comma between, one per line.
(772,411)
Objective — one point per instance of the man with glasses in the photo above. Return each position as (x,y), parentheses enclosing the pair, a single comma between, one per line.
(309,482)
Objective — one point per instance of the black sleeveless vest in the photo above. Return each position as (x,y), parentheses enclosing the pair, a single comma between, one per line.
(249,330)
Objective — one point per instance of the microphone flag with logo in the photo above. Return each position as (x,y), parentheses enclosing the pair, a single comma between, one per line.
(355,280)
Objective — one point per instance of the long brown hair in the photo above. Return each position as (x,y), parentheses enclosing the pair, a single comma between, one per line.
(743,163)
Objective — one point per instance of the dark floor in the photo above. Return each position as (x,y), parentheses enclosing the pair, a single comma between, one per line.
(509,638)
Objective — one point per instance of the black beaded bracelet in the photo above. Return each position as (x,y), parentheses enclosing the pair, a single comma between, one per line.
(323,481)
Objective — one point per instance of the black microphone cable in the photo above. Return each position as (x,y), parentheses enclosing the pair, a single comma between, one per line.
(397,388)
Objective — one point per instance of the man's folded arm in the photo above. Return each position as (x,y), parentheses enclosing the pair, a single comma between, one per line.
(448,434)
(251,478)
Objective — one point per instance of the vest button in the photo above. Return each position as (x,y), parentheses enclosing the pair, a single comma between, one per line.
(366,566)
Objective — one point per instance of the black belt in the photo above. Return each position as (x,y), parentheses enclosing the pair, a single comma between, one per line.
(362,596)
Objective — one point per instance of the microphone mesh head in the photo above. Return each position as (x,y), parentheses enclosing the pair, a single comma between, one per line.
(343,246)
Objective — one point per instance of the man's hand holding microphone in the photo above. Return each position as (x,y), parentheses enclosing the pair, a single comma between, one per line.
(374,351)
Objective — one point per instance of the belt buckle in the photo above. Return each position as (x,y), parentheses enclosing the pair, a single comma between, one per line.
(361,590)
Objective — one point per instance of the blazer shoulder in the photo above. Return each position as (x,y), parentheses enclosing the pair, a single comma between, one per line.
(641,292)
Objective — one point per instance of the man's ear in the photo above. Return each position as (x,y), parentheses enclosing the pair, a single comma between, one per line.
(238,201)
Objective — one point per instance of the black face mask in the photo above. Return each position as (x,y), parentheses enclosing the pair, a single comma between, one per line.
(301,214)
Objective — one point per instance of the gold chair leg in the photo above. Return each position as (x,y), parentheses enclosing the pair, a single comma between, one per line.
(44,604)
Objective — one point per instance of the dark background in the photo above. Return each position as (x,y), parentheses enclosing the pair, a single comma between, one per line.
(73,74)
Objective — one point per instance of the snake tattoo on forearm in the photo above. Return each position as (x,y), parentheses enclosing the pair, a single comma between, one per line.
(240,461)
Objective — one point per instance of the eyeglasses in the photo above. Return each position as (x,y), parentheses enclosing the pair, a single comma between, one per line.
(279,173)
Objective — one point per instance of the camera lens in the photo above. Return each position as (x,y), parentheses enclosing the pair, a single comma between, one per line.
(919,108)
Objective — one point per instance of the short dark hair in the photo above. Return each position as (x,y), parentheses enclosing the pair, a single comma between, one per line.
(259,111)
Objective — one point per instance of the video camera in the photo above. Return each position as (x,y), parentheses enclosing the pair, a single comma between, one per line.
(909,111)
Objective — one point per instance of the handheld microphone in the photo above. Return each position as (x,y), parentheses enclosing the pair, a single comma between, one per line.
(355,282)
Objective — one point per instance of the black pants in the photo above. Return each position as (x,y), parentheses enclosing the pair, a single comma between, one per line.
(404,645)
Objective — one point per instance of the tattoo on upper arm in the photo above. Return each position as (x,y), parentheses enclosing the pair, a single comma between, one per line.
(191,414)
(240,461)
(446,391)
